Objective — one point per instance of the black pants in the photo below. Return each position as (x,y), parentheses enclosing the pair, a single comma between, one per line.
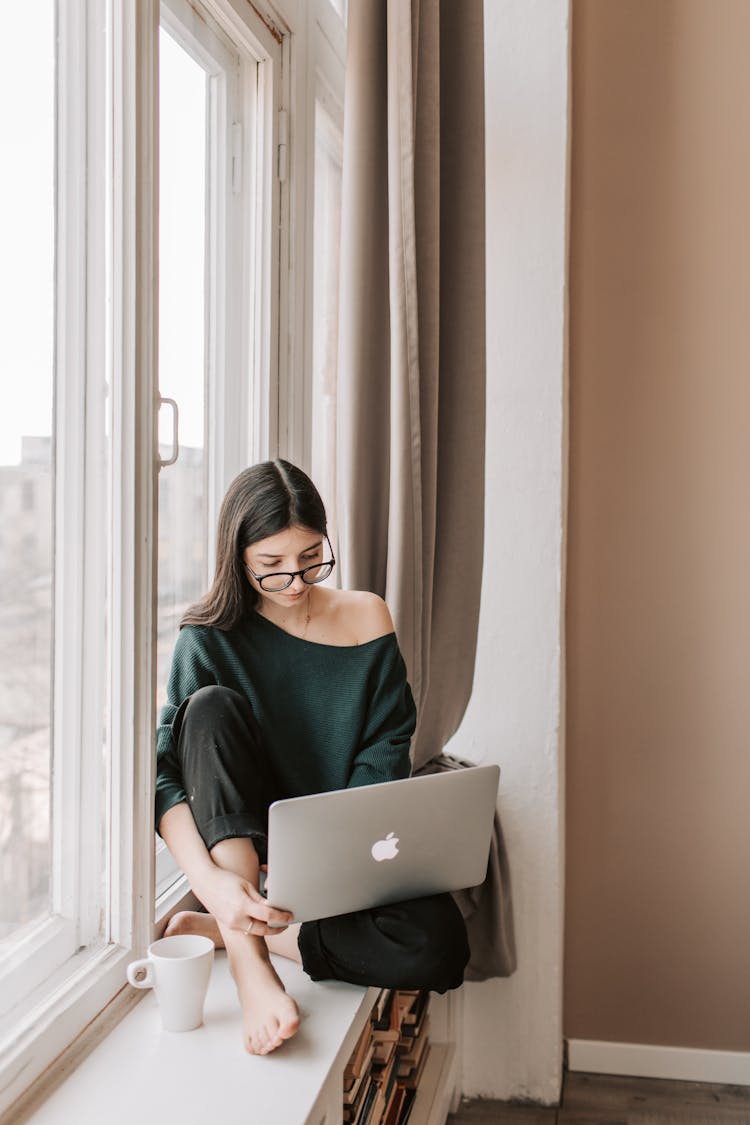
(230,785)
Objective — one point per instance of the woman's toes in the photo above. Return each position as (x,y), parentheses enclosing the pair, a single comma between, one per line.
(195,922)
(288,1025)
(179,923)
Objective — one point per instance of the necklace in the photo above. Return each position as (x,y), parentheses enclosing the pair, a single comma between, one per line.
(308,614)
(290,626)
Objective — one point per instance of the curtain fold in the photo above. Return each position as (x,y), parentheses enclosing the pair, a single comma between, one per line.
(411,388)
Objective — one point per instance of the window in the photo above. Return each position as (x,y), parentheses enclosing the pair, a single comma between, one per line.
(218,191)
(53,626)
(183,200)
(26,560)
(182,493)
(179,135)
(56,735)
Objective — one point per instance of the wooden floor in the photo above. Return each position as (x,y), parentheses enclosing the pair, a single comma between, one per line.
(594,1099)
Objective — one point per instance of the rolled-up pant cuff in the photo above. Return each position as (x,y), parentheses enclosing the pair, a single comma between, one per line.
(229,827)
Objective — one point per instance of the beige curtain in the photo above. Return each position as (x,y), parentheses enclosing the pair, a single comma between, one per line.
(411,349)
(411,387)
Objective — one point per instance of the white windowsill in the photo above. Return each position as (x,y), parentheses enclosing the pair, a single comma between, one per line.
(140,1073)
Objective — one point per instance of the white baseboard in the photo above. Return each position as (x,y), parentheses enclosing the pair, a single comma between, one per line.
(646,1061)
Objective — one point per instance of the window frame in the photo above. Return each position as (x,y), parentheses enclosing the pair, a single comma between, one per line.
(105,227)
(319,77)
(41,947)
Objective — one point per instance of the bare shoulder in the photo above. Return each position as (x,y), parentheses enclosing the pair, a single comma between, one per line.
(367,616)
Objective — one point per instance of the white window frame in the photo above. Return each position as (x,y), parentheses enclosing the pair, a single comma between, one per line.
(246,406)
(106,225)
(243,270)
(42,947)
(318,75)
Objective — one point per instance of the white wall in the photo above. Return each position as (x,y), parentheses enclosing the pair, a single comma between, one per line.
(513,1028)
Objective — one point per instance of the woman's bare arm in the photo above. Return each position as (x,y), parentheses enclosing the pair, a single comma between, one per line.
(232,899)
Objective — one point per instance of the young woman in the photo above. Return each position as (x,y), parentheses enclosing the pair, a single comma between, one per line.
(281,687)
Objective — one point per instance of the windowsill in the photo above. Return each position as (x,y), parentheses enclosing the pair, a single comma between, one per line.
(140,1072)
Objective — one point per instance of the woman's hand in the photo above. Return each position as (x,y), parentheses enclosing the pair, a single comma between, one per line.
(235,903)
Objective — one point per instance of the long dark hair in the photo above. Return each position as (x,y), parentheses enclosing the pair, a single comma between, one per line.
(260,501)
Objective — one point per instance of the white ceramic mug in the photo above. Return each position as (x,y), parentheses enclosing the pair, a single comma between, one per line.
(178,969)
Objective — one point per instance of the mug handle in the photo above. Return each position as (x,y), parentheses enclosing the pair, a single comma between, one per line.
(145,965)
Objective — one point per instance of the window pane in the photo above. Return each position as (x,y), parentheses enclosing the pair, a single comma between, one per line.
(27,225)
(327,226)
(341,8)
(183,539)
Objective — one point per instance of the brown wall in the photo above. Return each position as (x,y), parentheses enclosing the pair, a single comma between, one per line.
(658,601)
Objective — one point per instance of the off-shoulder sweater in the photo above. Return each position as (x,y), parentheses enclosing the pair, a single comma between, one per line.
(330,717)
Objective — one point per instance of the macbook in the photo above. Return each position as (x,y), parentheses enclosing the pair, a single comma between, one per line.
(351,849)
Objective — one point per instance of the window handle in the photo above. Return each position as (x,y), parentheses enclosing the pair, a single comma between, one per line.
(163,462)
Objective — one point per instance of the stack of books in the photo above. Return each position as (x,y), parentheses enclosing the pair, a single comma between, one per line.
(359,1089)
(382,1076)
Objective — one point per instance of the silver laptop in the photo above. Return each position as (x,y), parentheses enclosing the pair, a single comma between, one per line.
(333,853)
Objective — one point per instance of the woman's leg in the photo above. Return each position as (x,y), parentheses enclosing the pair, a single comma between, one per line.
(229,788)
(417,944)
(269,1015)
(225,773)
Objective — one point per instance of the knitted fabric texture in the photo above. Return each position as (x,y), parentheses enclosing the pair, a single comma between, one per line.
(330,717)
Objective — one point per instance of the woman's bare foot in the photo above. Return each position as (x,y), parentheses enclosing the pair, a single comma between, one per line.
(195,922)
(269,1015)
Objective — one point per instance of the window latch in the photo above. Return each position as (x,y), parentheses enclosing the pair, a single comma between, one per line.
(164,461)
(283,162)
(236,157)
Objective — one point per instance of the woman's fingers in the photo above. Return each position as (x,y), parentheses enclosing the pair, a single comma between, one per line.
(236,903)
(262,919)
(257,928)
(263,909)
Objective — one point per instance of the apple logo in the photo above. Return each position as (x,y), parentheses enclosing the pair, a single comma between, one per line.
(385,849)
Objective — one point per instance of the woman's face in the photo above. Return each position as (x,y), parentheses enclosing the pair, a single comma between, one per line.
(290,550)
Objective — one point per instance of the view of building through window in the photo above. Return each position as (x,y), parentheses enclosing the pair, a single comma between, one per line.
(183,532)
(26,491)
(25,683)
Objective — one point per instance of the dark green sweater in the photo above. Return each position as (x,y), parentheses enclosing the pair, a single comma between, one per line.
(330,717)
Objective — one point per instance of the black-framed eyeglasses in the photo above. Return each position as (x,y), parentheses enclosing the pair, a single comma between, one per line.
(310,575)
